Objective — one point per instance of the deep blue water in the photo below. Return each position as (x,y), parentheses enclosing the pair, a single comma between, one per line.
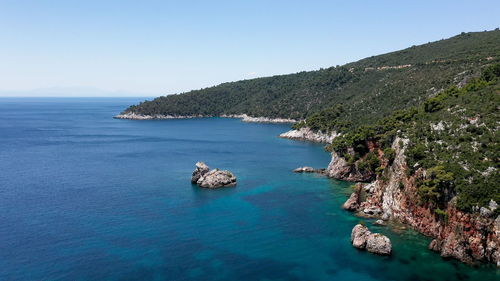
(87,197)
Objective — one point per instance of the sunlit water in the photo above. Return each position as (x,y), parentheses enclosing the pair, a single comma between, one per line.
(87,197)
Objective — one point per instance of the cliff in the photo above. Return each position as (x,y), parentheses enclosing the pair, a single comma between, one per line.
(393,195)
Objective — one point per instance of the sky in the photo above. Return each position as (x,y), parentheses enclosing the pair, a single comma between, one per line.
(151,48)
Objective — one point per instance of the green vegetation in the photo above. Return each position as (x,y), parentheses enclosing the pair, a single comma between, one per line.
(345,97)
(453,136)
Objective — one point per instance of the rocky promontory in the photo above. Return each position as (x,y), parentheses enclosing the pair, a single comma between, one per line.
(376,243)
(306,134)
(204,177)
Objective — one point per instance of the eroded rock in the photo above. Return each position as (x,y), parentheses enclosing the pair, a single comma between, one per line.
(359,235)
(352,204)
(212,179)
(201,169)
(376,243)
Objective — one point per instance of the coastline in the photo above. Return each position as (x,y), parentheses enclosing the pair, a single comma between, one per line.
(384,197)
(134,116)
(243,117)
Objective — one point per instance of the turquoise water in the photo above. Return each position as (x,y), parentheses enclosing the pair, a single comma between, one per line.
(87,197)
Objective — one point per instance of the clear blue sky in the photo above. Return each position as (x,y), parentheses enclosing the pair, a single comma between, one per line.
(162,47)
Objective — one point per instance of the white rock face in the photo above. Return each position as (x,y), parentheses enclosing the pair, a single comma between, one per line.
(307,134)
(246,118)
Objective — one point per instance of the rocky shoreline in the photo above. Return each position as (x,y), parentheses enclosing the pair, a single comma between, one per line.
(306,134)
(135,116)
(243,117)
(468,237)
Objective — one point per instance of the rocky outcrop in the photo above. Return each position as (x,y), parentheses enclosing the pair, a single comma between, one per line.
(352,204)
(306,134)
(377,243)
(217,178)
(137,116)
(212,179)
(340,169)
(305,169)
(359,234)
(201,170)
(467,237)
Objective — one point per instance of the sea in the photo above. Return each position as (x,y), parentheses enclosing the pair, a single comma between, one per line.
(84,196)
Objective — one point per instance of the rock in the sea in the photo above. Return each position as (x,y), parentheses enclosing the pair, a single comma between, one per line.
(359,235)
(217,178)
(212,179)
(201,169)
(305,169)
(352,204)
(379,222)
(377,243)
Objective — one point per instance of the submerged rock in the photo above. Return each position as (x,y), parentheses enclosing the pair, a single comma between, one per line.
(201,169)
(376,243)
(305,169)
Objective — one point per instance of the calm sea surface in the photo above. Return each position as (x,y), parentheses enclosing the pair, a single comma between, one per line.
(87,197)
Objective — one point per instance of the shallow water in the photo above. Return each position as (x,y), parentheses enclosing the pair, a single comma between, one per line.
(87,197)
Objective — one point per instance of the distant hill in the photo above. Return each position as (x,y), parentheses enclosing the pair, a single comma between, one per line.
(367,89)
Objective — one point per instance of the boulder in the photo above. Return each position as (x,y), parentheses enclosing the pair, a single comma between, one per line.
(372,211)
(304,170)
(359,235)
(201,169)
(379,222)
(376,243)
(352,204)
(217,178)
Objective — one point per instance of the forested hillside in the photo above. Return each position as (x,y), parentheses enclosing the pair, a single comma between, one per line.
(359,92)
(453,136)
